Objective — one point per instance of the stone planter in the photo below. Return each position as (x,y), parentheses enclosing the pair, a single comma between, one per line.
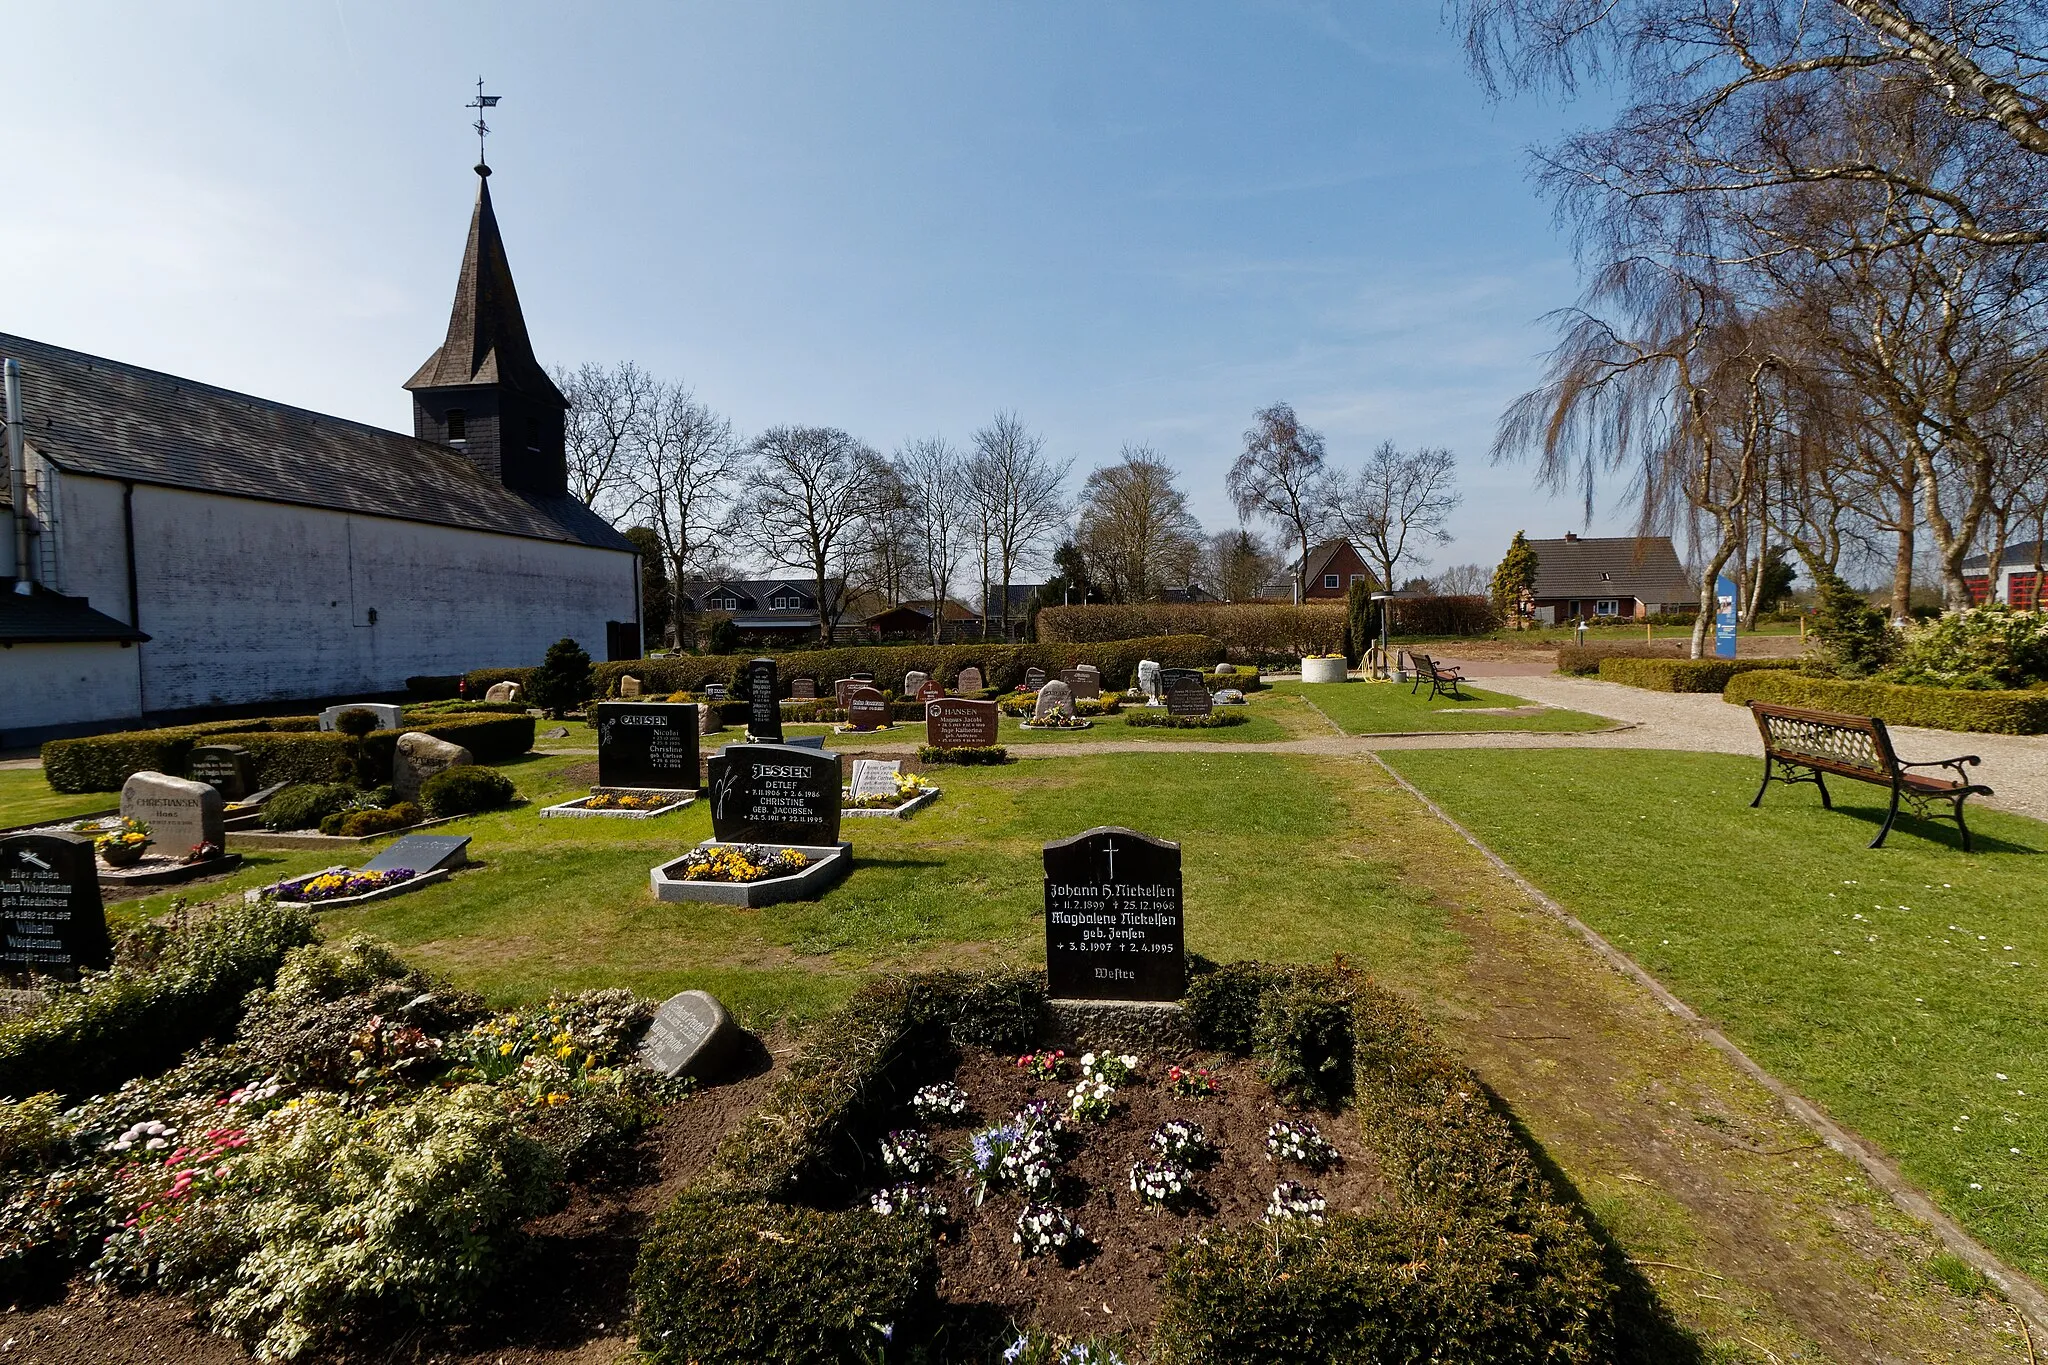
(1332,670)
(828,868)
(581,807)
(123,855)
(902,812)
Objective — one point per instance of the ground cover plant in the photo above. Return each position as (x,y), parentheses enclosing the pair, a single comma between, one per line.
(1897,987)
(1365,708)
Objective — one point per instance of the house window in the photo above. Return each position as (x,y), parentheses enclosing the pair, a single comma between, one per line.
(1607,606)
(1329,580)
(1358,578)
(458,425)
(726,603)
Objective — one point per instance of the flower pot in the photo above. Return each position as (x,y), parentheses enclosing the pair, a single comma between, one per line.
(1330,670)
(122,855)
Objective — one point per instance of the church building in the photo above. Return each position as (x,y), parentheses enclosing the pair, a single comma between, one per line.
(183,547)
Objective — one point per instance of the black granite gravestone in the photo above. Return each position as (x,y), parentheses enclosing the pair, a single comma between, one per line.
(1188,696)
(775,794)
(651,745)
(691,1035)
(422,853)
(51,918)
(1034,678)
(227,768)
(1113,926)
(764,706)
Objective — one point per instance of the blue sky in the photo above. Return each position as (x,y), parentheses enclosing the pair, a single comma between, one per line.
(1127,222)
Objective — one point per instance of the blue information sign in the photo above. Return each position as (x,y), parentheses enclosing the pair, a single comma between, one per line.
(1724,619)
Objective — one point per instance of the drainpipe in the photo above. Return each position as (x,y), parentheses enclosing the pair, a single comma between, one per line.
(17,477)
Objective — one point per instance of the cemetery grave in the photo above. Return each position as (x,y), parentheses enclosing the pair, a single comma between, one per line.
(775,812)
(647,762)
(410,864)
(879,787)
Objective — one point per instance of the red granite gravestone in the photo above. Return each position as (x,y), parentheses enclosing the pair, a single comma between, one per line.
(959,723)
(866,708)
(931,691)
(969,681)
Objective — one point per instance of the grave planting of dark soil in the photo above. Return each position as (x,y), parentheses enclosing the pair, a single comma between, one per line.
(1112,1286)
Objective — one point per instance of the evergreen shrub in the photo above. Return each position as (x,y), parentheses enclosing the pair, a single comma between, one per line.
(1166,720)
(966,756)
(1932,708)
(465,790)
(306,804)
(1583,661)
(1683,675)
(358,823)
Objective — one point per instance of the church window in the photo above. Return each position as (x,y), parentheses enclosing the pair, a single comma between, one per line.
(458,425)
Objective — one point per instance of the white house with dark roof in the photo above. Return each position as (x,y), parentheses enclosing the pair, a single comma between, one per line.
(193,548)
(1595,577)
(2020,573)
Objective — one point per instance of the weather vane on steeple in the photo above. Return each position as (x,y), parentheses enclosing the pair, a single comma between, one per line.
(483,130)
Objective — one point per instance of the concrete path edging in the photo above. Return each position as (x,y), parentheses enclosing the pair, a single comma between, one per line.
(2026,1296)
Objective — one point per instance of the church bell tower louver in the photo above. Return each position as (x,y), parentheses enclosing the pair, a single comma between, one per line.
(483,392)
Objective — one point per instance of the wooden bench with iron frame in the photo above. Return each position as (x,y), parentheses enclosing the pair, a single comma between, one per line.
(1443,682)
(1802,745)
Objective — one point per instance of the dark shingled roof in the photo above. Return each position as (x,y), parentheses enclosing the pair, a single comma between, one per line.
(47,618)
(2020,552)
(1643,567)
(90,415)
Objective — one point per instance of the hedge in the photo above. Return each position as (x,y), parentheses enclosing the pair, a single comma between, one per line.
(1002,666)
(286,749)
(1583,661)
(114,1026)
(1166,720)
(1444,615)
(1933,708)
(1245,630)
(1682,675)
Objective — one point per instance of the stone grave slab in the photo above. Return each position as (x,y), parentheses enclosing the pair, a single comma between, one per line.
(629,686)
(418,757)
(504,691)
(912,681)
(181,814)
(969,681)
(1034,678)
(1084,680)
(692,1036)
(866,709)
(651,745)
(764,701)
(1148,677)
(51,916)
(842,691)
(1113,926)
(960,723)
(389,717)
(776,794)
(1189,696)
(1054,699)
(874,777)
(423,853)
(803,689)
(227,768)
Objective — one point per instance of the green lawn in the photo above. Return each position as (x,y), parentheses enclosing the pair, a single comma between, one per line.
(564,904)
(26,799)
(1900,988)
(1368,708)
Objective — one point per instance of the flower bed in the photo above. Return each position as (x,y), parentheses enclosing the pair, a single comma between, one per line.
(623,803)
(1056,723)
(334,887)
(749,874)
(912,793)
(1166,720)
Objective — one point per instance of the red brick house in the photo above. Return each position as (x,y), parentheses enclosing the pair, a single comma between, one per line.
(1333,567)
(1596,577)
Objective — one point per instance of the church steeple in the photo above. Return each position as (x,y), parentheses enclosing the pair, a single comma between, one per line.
(482,391)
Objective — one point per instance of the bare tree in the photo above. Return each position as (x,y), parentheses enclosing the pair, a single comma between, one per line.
(933,478)
(1136,533)
(811,489)
(1237,566)
(683,466)
(885,563)
(608,407)
(1280,476)
(1396,502)
(1016,494)
(1463,580)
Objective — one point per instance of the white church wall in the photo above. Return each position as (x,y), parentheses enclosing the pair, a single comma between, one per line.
(254,601)
(65,684)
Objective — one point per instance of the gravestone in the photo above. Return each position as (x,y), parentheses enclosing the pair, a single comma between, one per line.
(969,681)
(708,722)
(804,689)
(764,705)
(389,717)
(912,682)
(504,691)
(1054,699)
(227,768)
(257,798)
(960,723)
(629,686)
(866,708)
(1034,678)
(931,691)
(874,777)
(418,757)
(422,853)
(861,675)
(714,692)
(1148,677)
(1228,696)
(51,918)
(842,691)
(181,815)
(1113,926)
(1169,676)
(1225,670)
(647,744)
(776,794)
(1084,679)
(555,732)
(691,1035)
(1188,696)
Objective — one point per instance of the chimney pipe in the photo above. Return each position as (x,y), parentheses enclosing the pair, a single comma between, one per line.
(17,476)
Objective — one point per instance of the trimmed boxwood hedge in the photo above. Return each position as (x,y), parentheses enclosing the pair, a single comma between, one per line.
(1583,661)
(1934,708)
(1683,675)
(1002,666)
(1481,1260)
(114,1026)
(285,749)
